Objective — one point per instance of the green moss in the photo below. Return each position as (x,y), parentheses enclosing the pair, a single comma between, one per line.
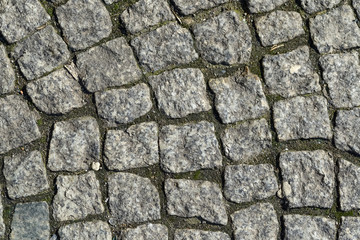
(40,122)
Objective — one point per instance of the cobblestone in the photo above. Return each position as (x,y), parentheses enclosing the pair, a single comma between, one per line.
(2,224)
(7,75)
(349,228)
(85,231)
(258,6)
(349,179)
(189,234)
(312,6)
(187,7)
(146,232)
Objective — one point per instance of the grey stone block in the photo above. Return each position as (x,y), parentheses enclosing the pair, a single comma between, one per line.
(190,234)
(349,180)
(312,6)
(86,231)
(7,75)
(350,228)
(187,7)
(258,6)
(146,232)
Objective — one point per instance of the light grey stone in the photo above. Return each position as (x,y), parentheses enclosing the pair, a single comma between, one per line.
(111,1)
(190,234)
(356,5)
(258,6)
(111,64)
(190,198)
(7,75)
(349,180)
(181,92)
(74,145)
(350,228)
(86,231)
(187,7)
(2,224)
(146,232)
(312,6)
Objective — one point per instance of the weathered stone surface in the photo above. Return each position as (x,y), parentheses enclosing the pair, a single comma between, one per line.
(17,123)
(349,181)
(77,197)
(189,198)
(258,221)
(290,74)
(246,140)
(123,105)
(257,6)
(108,65)
(308,178)
(7,75)
(146,232)
(335,30)
(239,97)
(2,224)
(302,118)
(224,39)
(132,199)
(181,92)
(189,147)
(190,234)
(187,7)
(74,145)
(84,22)
(86,231)
(134,147)
(350,228)
(356,5)
(41,53)
(168,45)
(312,6)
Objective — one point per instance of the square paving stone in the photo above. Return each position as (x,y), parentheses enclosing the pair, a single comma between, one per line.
(166,46)
(279,26)
(190,234)
(350,228)
(308,178)
(224,39)
(335,30)
(77,197)
(146,232)
(302,118)
(7,75)
(189,147)
(258,6)
(190,198)
(2,224)
(41,53)
(86,231)
(312,6)
(74,145)
(134,147)
(290,74)
(239,97)
(181,92)
(356,5)
(110,64)
(187,7)
(349,182)
(25,175)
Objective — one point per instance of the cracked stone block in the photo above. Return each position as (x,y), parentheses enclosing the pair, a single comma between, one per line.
(30,221)
(132,199)
(224,39)
(187,7)
(77,197)
(350,228)
(290,74)
(7,74)
(74,145)
(181,92)
(302,118)
(239,97)
(279,26)
(335,30)
(85,231)
(166,46)
(2,224)
(17,123)
(308,178)
(84,22)
(41,53)
(189,147)
(190,234)
(25,175)
(190,198)
(146,232)
(134,147)
(110,64)
(349,181)
(312,6)
(258,221)
(258,6)
(123,105)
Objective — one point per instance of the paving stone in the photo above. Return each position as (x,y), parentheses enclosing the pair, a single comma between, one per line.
(187,7)
(312,6)
(74,145)
(7,75)
(146,232)
(132,199)
(258,6)
(181,92)
(134,147)
(258,221)
(77,197)
(41,53)
(356,5)
(108,65)
(239,97)
(189,147)
(17,123)
(85,231)
(279,26)
(349,180)
(350,228)
(2,224)
(25,175)
(84,22)
(335,30)
(30,221)
(302,118)
(290,74)
(168,45)
(123,105)
(190,234)
(189,198)
(245,141)
(224,39)
(308,178)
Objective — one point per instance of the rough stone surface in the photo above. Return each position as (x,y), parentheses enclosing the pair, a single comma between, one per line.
(189,198)
(258,221)
(7,75)
(134,147)
(86,231)
(2,224)
(258,6)
(181,92)
(74,145)
(356,5)
(349,180)
(290,74)
(302,118)
(187,7)
(224,39)
(190,234)
(350,228)
(146,232)
(189,147)
(312,6)
(308,178)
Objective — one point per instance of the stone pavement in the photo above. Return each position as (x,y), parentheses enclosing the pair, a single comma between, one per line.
(179,119)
